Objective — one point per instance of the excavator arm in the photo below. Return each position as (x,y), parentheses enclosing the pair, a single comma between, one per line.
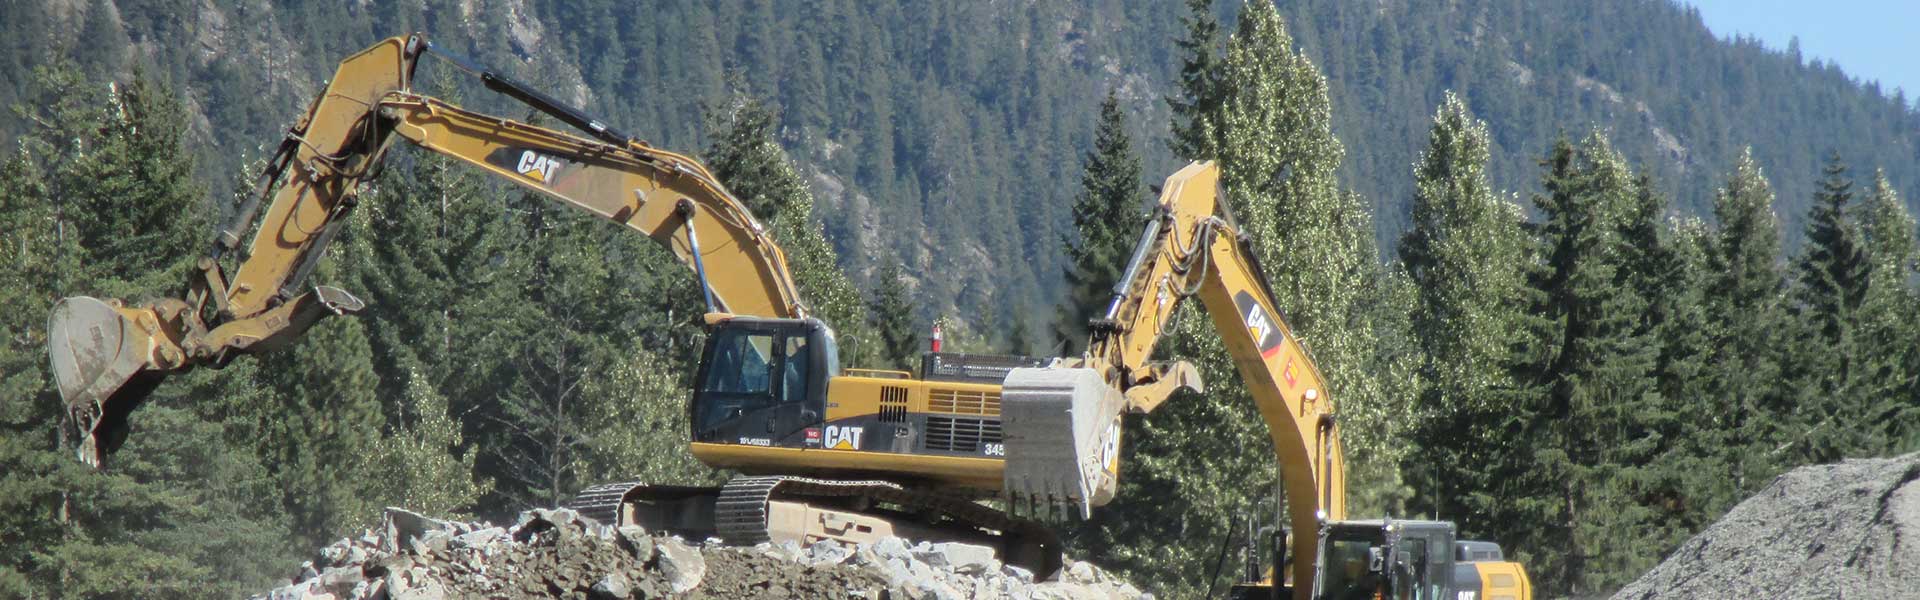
(1190,248)
(107,356)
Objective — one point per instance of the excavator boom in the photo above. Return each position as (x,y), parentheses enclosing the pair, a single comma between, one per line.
(107,356)
(1191,247)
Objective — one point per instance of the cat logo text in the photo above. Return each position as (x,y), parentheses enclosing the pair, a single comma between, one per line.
(538,167)
(842,437)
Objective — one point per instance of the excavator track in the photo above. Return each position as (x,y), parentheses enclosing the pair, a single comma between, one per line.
(602,502)
(741,511)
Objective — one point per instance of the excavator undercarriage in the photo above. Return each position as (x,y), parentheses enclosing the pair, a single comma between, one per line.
(750,510)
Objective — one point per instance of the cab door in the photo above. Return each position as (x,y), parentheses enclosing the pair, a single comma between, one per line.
(1413,577)
(796,407)
(755,387)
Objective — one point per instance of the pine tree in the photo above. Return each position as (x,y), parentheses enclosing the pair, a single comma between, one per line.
(1196,110)
(1583,387)
(746,156)
(1827,374)
(1461,256)
(1686,480)
(1747,316)
(320,417)
(1832,271)
(893,319)
(1888,317)
(1106,216)
(146,214)
(568,332)
(1278,164)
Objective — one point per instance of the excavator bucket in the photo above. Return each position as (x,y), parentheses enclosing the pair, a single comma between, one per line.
(1080,468)
(100,363)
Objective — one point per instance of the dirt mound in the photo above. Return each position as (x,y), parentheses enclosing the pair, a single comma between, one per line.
(559,554)
(1846,530)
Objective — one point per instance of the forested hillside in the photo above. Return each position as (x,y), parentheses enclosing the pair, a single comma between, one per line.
(937,133)
(1549,262)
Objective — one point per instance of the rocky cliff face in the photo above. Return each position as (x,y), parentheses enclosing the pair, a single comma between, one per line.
(559,554)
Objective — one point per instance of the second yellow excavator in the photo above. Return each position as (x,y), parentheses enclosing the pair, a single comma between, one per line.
(824,452)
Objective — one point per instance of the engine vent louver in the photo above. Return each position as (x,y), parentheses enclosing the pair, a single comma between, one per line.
(961,434)
(893,404)
(964,402)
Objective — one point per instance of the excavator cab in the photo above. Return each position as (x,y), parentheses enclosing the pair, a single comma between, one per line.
(1389,560)
(763,382)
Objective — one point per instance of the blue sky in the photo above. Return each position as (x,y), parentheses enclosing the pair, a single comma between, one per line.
(1870,39)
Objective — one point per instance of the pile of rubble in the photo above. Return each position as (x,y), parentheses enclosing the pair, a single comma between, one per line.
(559,554)
(1845,530)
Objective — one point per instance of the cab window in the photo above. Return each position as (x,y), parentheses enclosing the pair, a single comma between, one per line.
(1349,574)
(742,363)
(793,383)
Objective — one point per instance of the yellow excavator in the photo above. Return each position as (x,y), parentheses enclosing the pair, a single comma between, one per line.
(824,452)
(1191,247)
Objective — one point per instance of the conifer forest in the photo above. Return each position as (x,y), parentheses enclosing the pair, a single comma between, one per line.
(1578,287)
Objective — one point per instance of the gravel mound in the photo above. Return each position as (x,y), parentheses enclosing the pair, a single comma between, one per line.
(560,554)
(1846,530)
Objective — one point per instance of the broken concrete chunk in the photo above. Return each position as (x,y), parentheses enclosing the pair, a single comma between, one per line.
(682,564)
(480,538)
(1080,572)
(828,552)
(637,542)
(557,553)
(611,587)
(1018,574)
(891,548)
(402,526)
(967,559)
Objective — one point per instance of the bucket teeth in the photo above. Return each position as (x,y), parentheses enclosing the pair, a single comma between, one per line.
(1062,431)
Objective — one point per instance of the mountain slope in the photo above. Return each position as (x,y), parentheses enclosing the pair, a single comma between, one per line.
(949,136)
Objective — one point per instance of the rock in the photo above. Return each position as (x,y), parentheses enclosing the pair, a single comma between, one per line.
(335,553)
(611,587)
(895,570)
(479,538)
(864,555)
(785,551)
(637,542)
(369,590)
(401,526)
(1081,572)
(557,553)
(682,564)
(415,584)
(430,543)
(339,579)
(966,559)
(1062,590)
(307,572)
(1018,574)
(891,548)
(828,552)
